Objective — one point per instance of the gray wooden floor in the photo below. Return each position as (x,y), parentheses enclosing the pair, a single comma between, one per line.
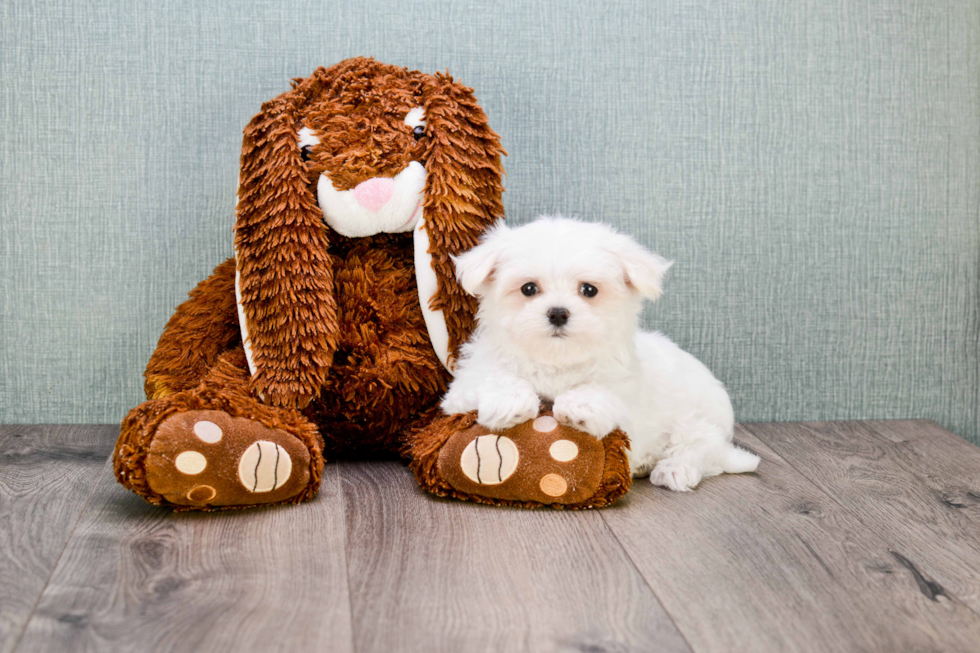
(858,536)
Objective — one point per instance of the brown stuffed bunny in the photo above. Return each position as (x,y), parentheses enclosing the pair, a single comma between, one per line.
(333,330)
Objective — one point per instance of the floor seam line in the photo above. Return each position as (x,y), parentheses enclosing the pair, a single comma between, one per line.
(350,595)
(646,582)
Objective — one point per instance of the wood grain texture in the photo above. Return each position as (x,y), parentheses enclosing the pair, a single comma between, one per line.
(440,575)
(851,537)
(912,482)
(139,578)
(46,476)
(768,562)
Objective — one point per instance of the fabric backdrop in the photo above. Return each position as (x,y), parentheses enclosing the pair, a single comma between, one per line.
(812,167)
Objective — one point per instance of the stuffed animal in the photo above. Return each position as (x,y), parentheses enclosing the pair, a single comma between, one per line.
(332,332)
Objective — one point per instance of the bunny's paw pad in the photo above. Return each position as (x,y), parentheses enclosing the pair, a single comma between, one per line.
(206,458)
(539,461)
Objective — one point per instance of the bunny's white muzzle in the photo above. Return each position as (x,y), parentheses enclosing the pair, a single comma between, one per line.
(378,205)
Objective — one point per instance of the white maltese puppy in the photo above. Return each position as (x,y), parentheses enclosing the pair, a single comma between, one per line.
(560,302)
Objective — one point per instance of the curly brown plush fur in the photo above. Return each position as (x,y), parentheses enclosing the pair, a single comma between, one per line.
(202,328)
(332,348)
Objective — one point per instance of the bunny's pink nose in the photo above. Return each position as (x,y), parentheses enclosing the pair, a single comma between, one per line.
(374,193)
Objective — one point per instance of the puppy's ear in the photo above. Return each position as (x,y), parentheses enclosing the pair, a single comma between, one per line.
(475,268)
(643,270)
(463,190)
(284,280)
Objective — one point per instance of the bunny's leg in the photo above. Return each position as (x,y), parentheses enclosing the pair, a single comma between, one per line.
(201,329)
(216,446)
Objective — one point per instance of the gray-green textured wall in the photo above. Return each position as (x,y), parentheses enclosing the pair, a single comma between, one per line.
(812,166)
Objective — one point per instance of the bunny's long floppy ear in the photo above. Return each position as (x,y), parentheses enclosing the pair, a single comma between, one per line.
(463,191)
(284,280)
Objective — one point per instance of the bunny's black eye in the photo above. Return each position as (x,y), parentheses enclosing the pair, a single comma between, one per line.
(529,289)
(305,152)
(418,132)
(588,290)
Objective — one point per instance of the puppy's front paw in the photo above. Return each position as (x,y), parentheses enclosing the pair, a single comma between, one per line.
(676,475)
(502,409)
(459,401)
(595,412)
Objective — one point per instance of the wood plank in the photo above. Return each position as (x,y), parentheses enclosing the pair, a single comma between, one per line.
(768,562)
(913,482)
(47,473)
(135,577)
(443,575)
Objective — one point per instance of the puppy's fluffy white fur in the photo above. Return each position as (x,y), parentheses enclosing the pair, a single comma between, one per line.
(597,368)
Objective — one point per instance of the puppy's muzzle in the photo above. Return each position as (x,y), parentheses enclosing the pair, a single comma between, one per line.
(558,316)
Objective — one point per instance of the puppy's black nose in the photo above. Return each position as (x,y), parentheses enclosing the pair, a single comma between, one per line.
(558,315)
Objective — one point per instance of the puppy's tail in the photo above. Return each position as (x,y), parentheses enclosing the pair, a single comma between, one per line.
(739,461)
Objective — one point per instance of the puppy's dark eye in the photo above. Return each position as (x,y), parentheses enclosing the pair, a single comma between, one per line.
(529,289)
(588,290)
(304,152)
(418,132)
